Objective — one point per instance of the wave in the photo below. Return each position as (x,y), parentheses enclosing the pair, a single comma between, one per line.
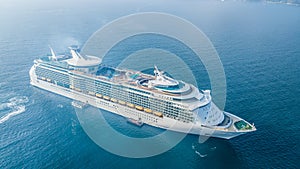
(74,126)
(4,106)
(18,100)
(201,155)
(16,105)
(14,102)
(19,110)
(197,152)
(213,148)
(60,106)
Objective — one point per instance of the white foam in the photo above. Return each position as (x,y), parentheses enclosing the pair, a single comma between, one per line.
(4,106)
(74,126)
(213,148)
(60,106)
(18,100)
(14,102)
(201,155)
(18,110)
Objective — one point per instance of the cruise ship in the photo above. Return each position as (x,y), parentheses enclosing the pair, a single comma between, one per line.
(154,99)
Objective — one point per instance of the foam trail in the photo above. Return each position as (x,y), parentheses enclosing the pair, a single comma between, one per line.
(18,100)
(4,106)
(14,102)
(19,110)
(201,155)
(213,148)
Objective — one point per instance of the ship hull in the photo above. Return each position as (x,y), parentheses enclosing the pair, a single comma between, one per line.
(125,111)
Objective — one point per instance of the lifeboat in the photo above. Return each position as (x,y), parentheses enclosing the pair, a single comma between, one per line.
(121,102)
(139,107)
(78,104)
(48,80)
(130,105)
(135,122)
(159,114)
(98,95)
(71,87)
(77,89)
(91,93)
(114,100)
(43,78)
(147,110)
(106,97)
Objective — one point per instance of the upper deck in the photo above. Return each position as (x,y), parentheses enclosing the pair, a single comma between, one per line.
(157,85)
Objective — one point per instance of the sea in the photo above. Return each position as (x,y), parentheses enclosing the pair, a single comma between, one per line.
(258,45)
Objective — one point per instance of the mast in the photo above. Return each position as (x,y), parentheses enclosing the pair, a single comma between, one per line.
(53,56)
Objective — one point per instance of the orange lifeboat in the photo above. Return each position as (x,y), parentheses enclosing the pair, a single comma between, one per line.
(147,110)
(114,100)
(106,97)
(139,108)
(77,89)
(130,105)
(98,95)
(159,114)
(121,102)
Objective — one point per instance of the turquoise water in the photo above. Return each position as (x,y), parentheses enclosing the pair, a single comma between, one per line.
(258,44)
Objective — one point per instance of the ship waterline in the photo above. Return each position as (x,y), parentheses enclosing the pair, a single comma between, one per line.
(156,100)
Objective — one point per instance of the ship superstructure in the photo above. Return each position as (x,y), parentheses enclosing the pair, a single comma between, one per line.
(157,100)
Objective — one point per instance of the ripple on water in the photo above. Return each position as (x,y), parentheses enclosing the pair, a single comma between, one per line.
(14,106)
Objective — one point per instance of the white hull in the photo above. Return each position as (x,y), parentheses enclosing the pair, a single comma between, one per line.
(123,110)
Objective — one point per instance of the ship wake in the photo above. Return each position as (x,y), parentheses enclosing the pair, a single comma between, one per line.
(15,106)
(19,110)
(202,151)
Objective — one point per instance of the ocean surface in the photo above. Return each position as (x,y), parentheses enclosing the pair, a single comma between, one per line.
(258,44)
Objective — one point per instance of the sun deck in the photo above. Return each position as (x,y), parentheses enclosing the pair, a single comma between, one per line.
(136,79)
(157,85)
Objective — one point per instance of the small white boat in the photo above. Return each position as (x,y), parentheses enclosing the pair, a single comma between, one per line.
(138,122)
(78,104)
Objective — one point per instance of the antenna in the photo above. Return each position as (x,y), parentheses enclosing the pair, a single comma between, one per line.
(75,53)
(157,72)
(53,56)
